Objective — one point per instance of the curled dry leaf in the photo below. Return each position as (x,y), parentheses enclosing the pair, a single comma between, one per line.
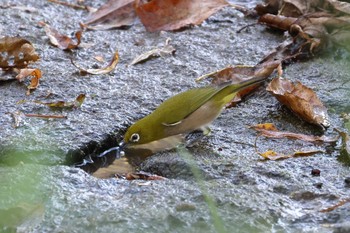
(237,74)
(157,15)
(63,104)
(113,14)
(272,155)
(301,100)
(157,52)
(111,66)
(270,130)
(16,52)
(36,75)
(62,41)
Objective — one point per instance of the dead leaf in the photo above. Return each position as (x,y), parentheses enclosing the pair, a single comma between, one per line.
(75,6)
(143,176)
(157,52)
(237,74)
(344,156)
(272,155)
(113,14)
(24,73)
(16,52)
(111,66)
(270,130)
(339,204)
(157,15)
(62,41)
(302,100)
(63,104)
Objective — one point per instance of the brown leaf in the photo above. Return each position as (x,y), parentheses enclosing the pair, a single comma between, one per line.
(272,155)
(62,41)
(111,66)
(157,15)
(301,100)
(143,176)
(270,130)
(34,82)
(157,52)
(237,74)
(63,104)
(113,14)
(339,204)
(16,52)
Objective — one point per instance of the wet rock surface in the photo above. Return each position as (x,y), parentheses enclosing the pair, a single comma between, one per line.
(247,193)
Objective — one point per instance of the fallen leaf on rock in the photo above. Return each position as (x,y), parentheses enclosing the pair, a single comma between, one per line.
(143,176)
(157,52)
(36,75)
(339,204)
(75,6)
(237,74)
(111,66)
(270,130)
(16,52)
(272,155)
(62,41)
(113,14)
(63,104)
(344,156)
(302,100)
(157,15)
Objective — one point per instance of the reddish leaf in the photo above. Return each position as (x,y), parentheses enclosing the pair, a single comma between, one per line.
(157,15)
(237,74)
(113,14)
(301,100)
(16,52)
(62,41)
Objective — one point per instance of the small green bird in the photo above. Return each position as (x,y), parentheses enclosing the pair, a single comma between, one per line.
(192,110)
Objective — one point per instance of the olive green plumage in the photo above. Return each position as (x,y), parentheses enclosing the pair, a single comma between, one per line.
(181,114)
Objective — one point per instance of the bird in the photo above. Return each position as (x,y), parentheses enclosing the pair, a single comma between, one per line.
(189,111)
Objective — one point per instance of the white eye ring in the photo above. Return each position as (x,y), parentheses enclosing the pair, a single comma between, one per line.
(135,137)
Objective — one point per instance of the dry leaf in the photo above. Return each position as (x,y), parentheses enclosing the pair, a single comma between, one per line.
(272,155)
(16,52)
(63,104)
(24,73)
(270,130)
(143,176)
(301,100)
(157,15)
(237,74)
(157,52)
(339,204)
(62,41)
(111,66)
(113,14)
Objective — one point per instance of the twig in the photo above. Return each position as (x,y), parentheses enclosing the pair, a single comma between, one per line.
(340,203)
(45,116)
(75,6)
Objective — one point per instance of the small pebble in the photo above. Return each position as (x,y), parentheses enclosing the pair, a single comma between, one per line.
(315,172)
(347,182)
(318,185)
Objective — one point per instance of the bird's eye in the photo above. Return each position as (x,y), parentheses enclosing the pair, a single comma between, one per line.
(135,137)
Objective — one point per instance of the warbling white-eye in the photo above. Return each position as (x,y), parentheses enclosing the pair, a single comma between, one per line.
(192,110)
